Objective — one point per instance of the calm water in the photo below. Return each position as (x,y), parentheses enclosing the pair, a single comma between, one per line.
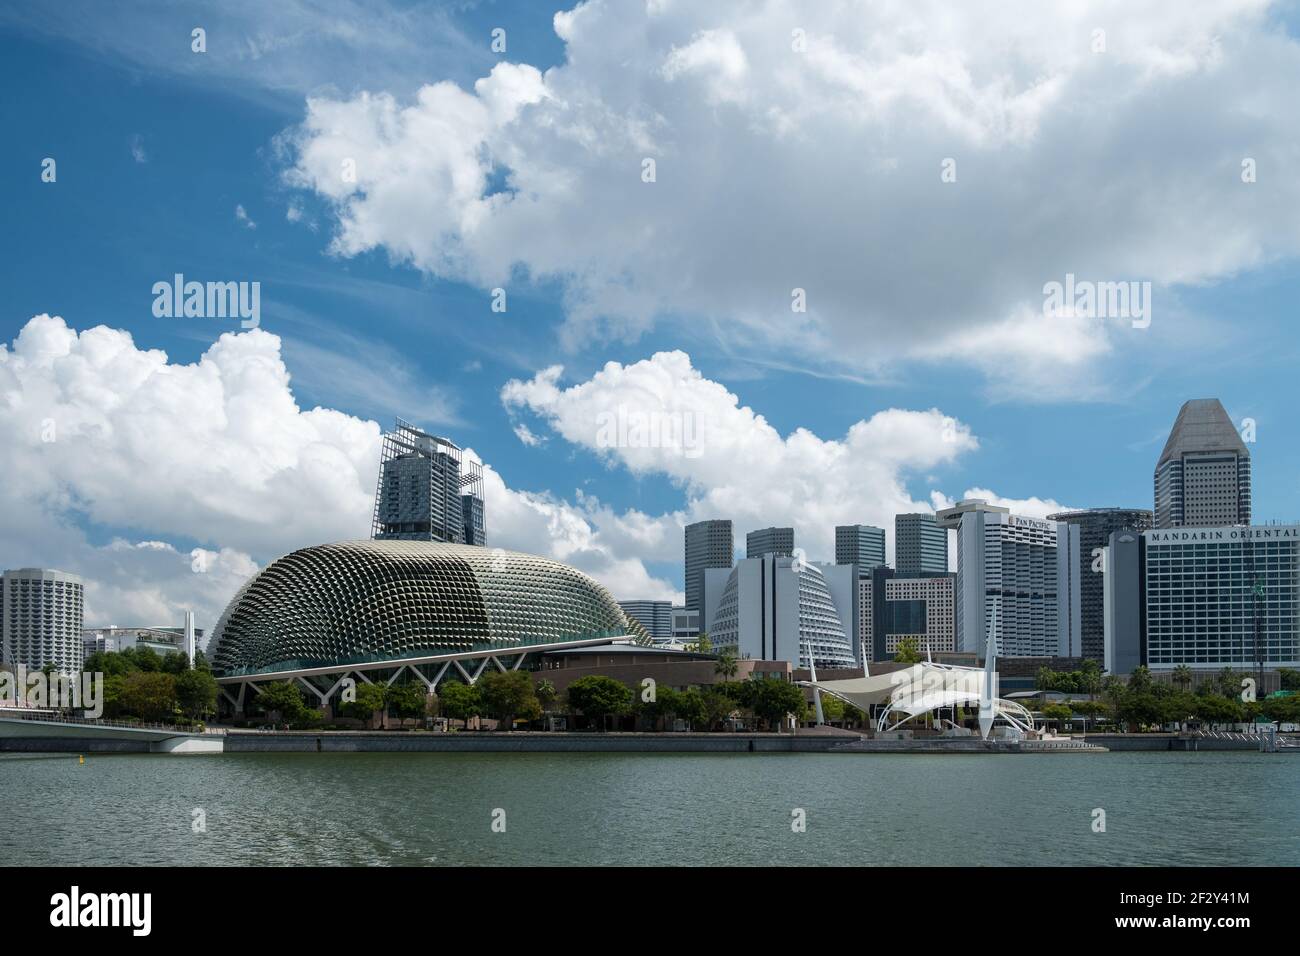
(436,809)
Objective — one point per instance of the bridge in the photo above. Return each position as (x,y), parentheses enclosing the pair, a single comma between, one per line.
(33,730)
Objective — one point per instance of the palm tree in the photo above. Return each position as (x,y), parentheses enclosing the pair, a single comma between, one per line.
(1182,676)
(726,666)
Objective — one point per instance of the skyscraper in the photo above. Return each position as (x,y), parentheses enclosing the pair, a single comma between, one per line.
(655,616)
(1203,476)
(427,490)
(920,545)
(42,620)
(765,541)
(709,544)
(1018,574)
(1096,525)
(860,544)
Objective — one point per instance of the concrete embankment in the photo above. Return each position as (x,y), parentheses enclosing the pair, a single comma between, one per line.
(523,742)
(1178,742)
(237,741)
(306,742)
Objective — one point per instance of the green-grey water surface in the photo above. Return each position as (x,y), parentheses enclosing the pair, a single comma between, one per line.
(705,809)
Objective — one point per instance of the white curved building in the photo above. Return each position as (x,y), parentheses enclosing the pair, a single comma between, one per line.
(782,609)
(40,619)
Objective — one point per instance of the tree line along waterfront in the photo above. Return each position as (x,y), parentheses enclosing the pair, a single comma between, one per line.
(514,700)
(139,684)
(1143,703)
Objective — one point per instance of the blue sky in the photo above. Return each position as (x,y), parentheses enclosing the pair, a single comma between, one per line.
(157,147)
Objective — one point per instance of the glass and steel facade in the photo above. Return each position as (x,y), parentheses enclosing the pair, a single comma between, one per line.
(860,544)
(709,544)
(655,616)
(920,545)
(1096,525)
(359,602)
(765,541)
(1212,593)
(427,491)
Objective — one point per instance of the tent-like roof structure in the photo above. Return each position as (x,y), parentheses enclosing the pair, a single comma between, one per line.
(921,688)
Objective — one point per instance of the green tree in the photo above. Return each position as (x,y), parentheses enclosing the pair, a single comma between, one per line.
(114,689)
(1045,679)
(664,707)
(692,708)
(1284,710)
(773,699)
(144,658)
(1140,679)
(1290,678)
(546,693)
(196,692)
(109,663)
(1061,713)
(371,704)
(717,707)
(509,694)
(283,700)
(726,666)
(460,701)
(149,695)
(1217,710)
(598,696)
(908,652)
(832,708)
(1179,707)
(1182,676)
(408,701)
(1090,677)
(174,663)
(703,644)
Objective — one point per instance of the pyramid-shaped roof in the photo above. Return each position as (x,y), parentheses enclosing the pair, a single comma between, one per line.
(1202,425)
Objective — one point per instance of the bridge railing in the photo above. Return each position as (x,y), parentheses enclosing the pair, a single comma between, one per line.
(55,717)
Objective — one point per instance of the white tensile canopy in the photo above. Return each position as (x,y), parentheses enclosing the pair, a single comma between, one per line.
(923,687)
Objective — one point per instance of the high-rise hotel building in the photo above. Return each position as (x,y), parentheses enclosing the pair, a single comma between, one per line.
(1018,574)
(1203,476)
(1205,597)
(42,617)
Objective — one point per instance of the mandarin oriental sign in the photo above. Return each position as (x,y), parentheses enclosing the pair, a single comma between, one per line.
(1279,533)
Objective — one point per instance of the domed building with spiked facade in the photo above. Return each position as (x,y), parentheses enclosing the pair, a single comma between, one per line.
(374,610)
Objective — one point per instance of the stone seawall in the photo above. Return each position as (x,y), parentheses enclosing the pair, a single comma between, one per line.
(523,742)
(1177,742)
(72,745)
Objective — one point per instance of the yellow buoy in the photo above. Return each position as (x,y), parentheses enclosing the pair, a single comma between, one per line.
(81,758)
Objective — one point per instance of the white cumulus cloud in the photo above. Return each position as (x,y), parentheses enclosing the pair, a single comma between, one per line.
(801,146)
